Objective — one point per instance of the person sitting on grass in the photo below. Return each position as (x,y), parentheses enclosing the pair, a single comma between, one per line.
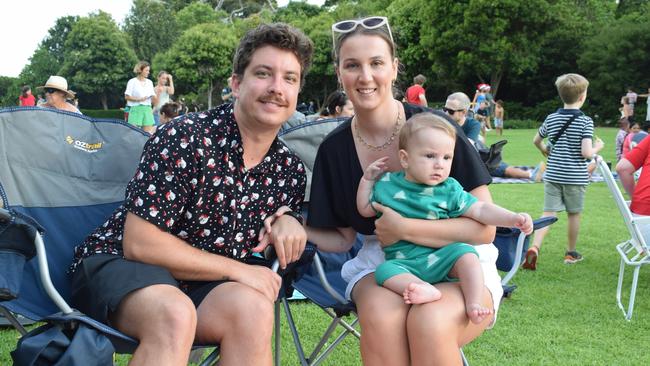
(424,190)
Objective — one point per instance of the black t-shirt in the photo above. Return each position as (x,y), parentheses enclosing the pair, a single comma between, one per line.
(337,172)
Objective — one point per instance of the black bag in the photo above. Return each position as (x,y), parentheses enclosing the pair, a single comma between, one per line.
(63,342)
(491,156)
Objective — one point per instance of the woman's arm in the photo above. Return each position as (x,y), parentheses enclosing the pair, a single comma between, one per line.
(392,227)
(332,240)
(170,87)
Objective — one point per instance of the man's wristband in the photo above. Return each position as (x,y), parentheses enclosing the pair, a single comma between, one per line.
(296,216)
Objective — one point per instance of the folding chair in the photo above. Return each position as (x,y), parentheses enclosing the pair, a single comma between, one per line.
(66,173)
(512,245)
(634,251)
(321,283)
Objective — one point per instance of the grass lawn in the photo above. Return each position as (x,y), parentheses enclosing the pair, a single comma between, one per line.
(559,314)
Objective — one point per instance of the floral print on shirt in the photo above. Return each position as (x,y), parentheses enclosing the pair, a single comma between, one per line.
(192,183)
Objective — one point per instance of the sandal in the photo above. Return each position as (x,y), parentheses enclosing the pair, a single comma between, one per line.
(531,258)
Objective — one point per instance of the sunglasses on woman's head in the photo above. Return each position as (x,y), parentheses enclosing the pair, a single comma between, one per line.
(347,26)
(50,90)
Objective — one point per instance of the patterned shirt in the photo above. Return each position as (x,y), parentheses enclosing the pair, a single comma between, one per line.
(192,183)
(566,165)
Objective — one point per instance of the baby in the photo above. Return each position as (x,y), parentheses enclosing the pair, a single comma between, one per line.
(424,190)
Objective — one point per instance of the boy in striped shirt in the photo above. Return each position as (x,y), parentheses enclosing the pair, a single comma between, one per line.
(566,177)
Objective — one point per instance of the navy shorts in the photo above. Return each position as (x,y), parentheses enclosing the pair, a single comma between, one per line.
(101,281)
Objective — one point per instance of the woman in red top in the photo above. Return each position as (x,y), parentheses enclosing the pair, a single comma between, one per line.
(26,98)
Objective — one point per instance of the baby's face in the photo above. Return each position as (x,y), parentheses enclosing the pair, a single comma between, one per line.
(427,159)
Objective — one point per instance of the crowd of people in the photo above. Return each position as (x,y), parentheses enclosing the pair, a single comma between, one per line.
(170,262)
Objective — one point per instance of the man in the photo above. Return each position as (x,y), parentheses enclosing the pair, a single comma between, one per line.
(456,106)
(415,93)
(169,262)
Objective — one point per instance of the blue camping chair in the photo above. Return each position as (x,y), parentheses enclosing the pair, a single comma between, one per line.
(512,245)
(62,174)
(322,283)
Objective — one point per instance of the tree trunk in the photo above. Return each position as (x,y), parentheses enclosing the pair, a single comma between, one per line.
(104,100)
(210,89)
(495,80)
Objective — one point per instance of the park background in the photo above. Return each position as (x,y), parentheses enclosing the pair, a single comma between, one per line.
(518,47)
(559,315)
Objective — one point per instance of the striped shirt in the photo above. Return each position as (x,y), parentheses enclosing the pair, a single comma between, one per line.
(565,164)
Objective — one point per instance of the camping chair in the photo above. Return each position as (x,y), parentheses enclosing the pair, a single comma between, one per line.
(67,173)
(321,283)
(634,251)
(512,245)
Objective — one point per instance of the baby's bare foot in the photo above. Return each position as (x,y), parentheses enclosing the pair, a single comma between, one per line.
(420,293)
(477,312)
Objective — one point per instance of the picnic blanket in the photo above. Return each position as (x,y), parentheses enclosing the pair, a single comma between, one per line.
(595,177)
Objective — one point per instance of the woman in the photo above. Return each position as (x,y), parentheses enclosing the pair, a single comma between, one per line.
(57,94)
(164,89)
(337,105)
(140,96)
(393,333)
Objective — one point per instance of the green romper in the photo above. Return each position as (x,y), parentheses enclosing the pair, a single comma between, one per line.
(419,201)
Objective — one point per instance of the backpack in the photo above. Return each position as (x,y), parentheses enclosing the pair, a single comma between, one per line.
(491,156)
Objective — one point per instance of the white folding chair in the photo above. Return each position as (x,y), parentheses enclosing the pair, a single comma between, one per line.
(633,251)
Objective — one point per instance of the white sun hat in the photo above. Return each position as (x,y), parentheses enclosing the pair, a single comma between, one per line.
(58,83)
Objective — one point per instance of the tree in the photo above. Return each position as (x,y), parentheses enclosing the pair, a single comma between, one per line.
(152,28)
(483,39)
(201,57)
(198,13)
(9,91)
(98,60)
(617,57)
(574,22)
(49,56)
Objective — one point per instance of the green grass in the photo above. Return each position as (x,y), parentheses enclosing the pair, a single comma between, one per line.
(559,314)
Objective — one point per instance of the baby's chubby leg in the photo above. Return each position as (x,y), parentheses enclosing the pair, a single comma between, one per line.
(414,290)
(468,270)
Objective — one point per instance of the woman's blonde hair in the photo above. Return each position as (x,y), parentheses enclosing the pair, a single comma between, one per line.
(141,65)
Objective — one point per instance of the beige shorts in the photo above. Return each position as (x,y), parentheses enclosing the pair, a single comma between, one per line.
(560,197)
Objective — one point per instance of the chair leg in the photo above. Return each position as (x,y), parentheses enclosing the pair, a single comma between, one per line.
(635,280)
(13,320)
(278,343)
(619,287)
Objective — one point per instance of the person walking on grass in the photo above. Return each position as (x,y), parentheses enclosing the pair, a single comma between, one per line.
(570,133)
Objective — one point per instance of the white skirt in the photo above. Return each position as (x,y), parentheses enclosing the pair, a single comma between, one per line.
(371,255)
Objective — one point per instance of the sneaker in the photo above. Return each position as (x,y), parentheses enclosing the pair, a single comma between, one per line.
(537,174)
(530,262)
(572,257)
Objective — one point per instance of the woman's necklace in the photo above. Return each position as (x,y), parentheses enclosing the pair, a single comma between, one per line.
(388,141)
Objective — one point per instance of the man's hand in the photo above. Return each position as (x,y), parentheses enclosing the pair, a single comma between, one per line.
(387,227)
(261,279)
(286,234)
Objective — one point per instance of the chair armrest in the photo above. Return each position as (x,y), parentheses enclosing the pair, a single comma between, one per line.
(543,222)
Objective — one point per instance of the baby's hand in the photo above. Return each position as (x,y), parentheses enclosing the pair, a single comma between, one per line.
(525,223)
(374,170)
